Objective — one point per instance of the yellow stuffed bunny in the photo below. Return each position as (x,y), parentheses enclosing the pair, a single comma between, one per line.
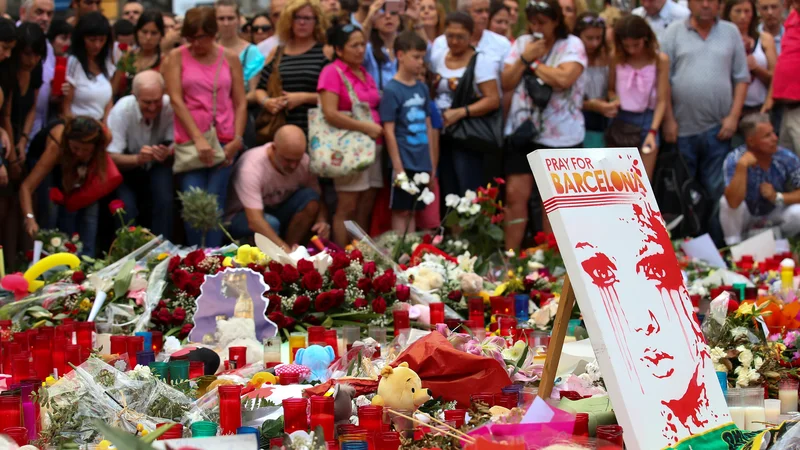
(400,388)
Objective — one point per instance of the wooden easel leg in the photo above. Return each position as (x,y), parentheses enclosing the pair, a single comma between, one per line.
(565,305)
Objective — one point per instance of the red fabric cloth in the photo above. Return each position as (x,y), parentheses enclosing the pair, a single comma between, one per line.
(453,374)
(363,386)
(786,80)
(426,219)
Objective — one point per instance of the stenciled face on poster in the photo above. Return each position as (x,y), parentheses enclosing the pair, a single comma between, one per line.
(630,289)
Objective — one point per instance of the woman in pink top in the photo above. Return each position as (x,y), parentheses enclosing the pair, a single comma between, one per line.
(190,72)
(355,193)
(638,82)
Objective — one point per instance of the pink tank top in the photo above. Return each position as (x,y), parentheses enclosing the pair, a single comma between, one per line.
(198,81)
(636,88)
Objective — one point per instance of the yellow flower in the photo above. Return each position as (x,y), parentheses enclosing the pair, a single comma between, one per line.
(85,304)
(162,256)
(145,432)
(103,445)
(139,427)
(745,308)
(501,288)
(227,262)
(50,381)
(485,296)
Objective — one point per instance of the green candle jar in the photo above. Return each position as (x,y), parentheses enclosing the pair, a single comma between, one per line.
(204,429)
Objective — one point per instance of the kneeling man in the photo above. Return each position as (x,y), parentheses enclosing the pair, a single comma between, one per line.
(762,183)
(274,192)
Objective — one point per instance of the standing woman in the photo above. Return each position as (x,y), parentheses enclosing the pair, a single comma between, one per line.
(379,60)
(462,170)
(761,51)
(558,59)
(146,56)
(19,113)
(301,29)
(261,28)
(192,73)
(591,29)
(500,19)
(571,10)
(432,14)
(356,192)
(228,24)
(89,69)
(639,82)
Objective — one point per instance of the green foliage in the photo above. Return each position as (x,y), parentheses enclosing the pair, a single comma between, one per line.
(126,441)
(271,429)
(200,210)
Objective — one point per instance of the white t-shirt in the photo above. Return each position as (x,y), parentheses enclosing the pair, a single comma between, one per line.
(484,71)
(561,123)
(492,45)
(91,94)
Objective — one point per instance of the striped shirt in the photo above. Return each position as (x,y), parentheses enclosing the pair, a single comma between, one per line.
(703,73)
(299,73)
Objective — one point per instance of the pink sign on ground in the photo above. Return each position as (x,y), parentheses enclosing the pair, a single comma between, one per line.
(630,289)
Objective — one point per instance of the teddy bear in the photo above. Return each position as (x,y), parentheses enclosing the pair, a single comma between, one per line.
(317,358)
(400,388)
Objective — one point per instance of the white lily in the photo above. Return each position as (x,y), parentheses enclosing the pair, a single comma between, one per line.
(409,187)
(451,200)
(422,178)
(474,209)
(427,196)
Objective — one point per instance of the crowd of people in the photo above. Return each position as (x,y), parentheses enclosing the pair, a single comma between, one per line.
(431,104)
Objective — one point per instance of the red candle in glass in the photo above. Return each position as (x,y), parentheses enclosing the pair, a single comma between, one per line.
(176,432)
(238,354)
(401,321)
(59,354)
(370,418)
(294,415)
(322,415)
(84,335)
(158,341)
(9,349)
(135,345)
(316,335)
(581,425)
(48,331)
(502,306)
(230,408)
(66,330)
(288,379)
(506,400)
(437,313)
(42,356)
(22,339)
(20,367)
(387,440)
(475,305)
(507,325)
(196,369)
(612,434)
(18,434)
(333,340)
(456,415)
(10,411)
(73,355)
(484,397)
(119,345)
(332,444)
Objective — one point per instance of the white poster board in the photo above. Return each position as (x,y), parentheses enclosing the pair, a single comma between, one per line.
(629,287)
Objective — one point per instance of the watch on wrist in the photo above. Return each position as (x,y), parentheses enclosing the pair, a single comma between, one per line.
(535,65)
(30,216)
(779,199)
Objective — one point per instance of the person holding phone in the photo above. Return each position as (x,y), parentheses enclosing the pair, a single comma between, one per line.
(142,129)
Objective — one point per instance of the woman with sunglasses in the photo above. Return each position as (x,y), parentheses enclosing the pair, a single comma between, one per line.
(228,24)
(591,29)
(558,59)
(260,28)
(192,74)
(301,30)
(148,33)
(638,81)
(89,69)
(68,153)
(355,192)
(462,170)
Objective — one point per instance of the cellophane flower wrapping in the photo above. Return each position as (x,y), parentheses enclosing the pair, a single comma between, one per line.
(96,390)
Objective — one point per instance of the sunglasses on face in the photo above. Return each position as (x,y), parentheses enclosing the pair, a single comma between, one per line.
(538,6)
(594,21)
(261,29)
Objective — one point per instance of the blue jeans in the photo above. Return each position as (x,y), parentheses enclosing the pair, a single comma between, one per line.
(214,181)
(152,189)
(460,171)
(84,222)
(642,119)
(277,217)
(704,155)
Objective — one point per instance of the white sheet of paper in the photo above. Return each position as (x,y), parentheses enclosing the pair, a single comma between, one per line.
(782,246)
(703,248)
(539,412)
(760,247)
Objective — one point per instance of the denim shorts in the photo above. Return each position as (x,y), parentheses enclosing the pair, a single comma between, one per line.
(279,216)
(641,119)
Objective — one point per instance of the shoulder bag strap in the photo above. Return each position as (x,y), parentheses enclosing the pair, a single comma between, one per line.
(214,87)
(350,91)
(465,90)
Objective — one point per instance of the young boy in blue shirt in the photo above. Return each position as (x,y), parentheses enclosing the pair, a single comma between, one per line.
(407,127)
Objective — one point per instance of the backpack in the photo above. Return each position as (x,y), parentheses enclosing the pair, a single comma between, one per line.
(679,194)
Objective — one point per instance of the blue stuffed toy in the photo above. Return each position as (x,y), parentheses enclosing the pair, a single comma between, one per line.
(317,358)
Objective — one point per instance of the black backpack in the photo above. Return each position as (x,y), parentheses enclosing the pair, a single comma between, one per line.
(678,193)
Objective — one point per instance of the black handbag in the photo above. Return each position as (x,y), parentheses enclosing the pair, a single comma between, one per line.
(623,134)
(482,134)
(539,91)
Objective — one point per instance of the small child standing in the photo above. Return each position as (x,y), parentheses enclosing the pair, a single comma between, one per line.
(407,127)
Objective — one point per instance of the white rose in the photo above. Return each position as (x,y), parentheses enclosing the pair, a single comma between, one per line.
(470,195)
(510,253)
(451,200)
(541,318)
(55,242)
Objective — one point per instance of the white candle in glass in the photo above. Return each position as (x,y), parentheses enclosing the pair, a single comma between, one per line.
(737,416)
(788,398)
(772,410)
(753,417)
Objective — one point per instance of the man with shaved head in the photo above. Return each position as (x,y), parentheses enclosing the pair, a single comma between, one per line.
(274,192)
(141,126)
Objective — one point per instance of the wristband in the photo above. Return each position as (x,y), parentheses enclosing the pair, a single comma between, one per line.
(652,131)
(535,65)
(30,216)
(524,61)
